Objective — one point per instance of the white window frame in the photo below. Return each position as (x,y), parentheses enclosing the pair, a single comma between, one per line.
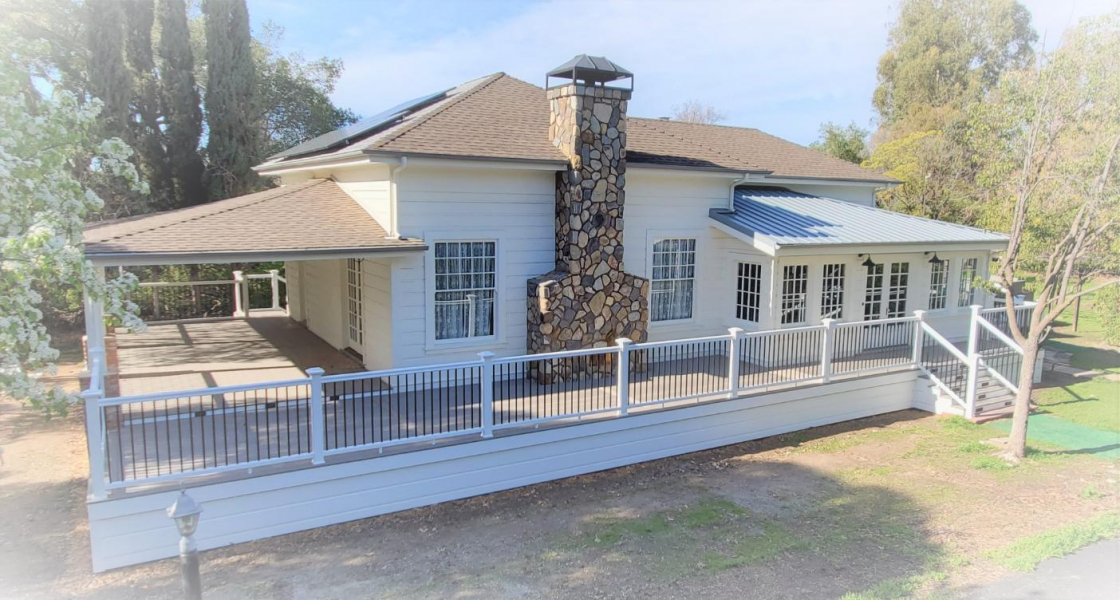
(741,294)
(694,278)
(898,289)
(494,340)
(792,295)
(829,275)
(355,304)
(966,288)
(938,286)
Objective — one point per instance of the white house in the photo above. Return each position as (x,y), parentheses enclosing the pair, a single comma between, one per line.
(459,196)
(539,286)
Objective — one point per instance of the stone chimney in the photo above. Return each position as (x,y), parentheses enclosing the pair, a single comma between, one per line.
(588,300)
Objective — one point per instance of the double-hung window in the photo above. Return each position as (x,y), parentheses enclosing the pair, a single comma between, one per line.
(938,284)
(748,298)
(795,293)
(832,291)
(673,278)
(465,282)
(967,288)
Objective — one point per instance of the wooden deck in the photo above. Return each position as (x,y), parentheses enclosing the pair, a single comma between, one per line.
(185,356)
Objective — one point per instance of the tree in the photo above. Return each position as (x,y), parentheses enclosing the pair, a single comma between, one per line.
(944,54)
(1061,131)
(294,95)
(147,135)
(231,103)
(695,111)
(846,143)
(935,173)
(45,172)
(180,103)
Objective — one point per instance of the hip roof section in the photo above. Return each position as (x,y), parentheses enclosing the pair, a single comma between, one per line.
(313,216)
(500,117)
(780,218)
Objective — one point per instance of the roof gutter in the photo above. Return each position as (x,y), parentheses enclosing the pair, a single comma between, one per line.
(731,195)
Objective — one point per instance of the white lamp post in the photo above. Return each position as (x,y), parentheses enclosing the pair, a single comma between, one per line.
(185,513)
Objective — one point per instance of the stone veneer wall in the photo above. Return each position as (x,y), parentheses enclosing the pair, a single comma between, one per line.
(588,300)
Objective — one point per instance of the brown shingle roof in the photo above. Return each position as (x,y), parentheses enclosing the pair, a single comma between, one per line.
(310,216)
(501,117)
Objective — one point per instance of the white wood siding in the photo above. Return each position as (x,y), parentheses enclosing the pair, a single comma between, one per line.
(369,187)
(664,205)
(133,530)
(514,207)
(856,194)
(322,292)
(377,310)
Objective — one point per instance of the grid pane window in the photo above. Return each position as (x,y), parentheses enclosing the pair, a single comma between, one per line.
(938,284)
(896,292)
(465,277)
(967,288)
(832,292)
(674,274)
(795,287)
(749,295)
(355,326)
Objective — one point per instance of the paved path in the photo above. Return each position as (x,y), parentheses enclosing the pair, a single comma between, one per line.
(1090,574)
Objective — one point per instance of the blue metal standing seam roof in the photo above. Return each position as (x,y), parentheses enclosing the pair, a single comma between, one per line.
(783,218)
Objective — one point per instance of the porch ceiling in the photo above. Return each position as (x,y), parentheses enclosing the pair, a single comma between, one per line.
(310,219)
(778,218)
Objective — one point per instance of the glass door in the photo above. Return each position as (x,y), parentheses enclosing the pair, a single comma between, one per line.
(885,297)
(355,326)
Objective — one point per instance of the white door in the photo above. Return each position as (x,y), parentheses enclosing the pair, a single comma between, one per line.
(885,297)
(354,323)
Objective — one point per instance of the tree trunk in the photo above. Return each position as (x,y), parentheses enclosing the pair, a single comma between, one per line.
(1017,444)
(1077,302)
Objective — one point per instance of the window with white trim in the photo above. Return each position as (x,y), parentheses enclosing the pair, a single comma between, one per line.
(967,289)
(355,327)
(673,279)
(938,284)
(748,297)
(465,283)
(832,291)
(795,296)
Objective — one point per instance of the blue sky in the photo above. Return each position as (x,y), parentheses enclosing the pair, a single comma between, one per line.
(783,67)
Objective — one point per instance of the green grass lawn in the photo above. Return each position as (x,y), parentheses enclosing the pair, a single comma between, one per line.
(1093,403)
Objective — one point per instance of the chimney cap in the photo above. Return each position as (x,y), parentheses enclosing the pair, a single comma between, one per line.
(592,70)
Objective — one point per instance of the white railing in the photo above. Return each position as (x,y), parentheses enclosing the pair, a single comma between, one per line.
(170,436)
(166,301)
(1000,355)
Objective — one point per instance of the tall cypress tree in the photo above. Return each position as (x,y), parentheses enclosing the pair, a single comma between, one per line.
(109,78)
(148,135)
(231,110)
(180,103)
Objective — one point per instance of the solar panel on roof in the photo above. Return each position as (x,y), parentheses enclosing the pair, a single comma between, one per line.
(364,127)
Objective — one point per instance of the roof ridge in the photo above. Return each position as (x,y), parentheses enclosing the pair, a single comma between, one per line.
(698,144)
(294,189)
(418,122)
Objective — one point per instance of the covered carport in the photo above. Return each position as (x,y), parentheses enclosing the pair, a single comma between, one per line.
(313,222)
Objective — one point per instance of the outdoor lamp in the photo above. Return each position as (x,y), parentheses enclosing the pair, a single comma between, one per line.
(185,513)
(934,260)
(868,264)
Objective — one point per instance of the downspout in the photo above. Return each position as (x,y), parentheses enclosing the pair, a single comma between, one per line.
(731,192)
(402,164)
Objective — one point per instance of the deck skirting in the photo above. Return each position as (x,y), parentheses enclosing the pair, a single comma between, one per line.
(135,529)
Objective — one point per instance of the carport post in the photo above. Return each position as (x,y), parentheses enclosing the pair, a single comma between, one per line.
(240,295)
(275,274)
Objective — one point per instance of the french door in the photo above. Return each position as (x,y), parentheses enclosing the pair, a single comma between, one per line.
(354,323)
(885,297)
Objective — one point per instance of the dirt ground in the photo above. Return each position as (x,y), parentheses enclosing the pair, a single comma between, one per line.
(817,514)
